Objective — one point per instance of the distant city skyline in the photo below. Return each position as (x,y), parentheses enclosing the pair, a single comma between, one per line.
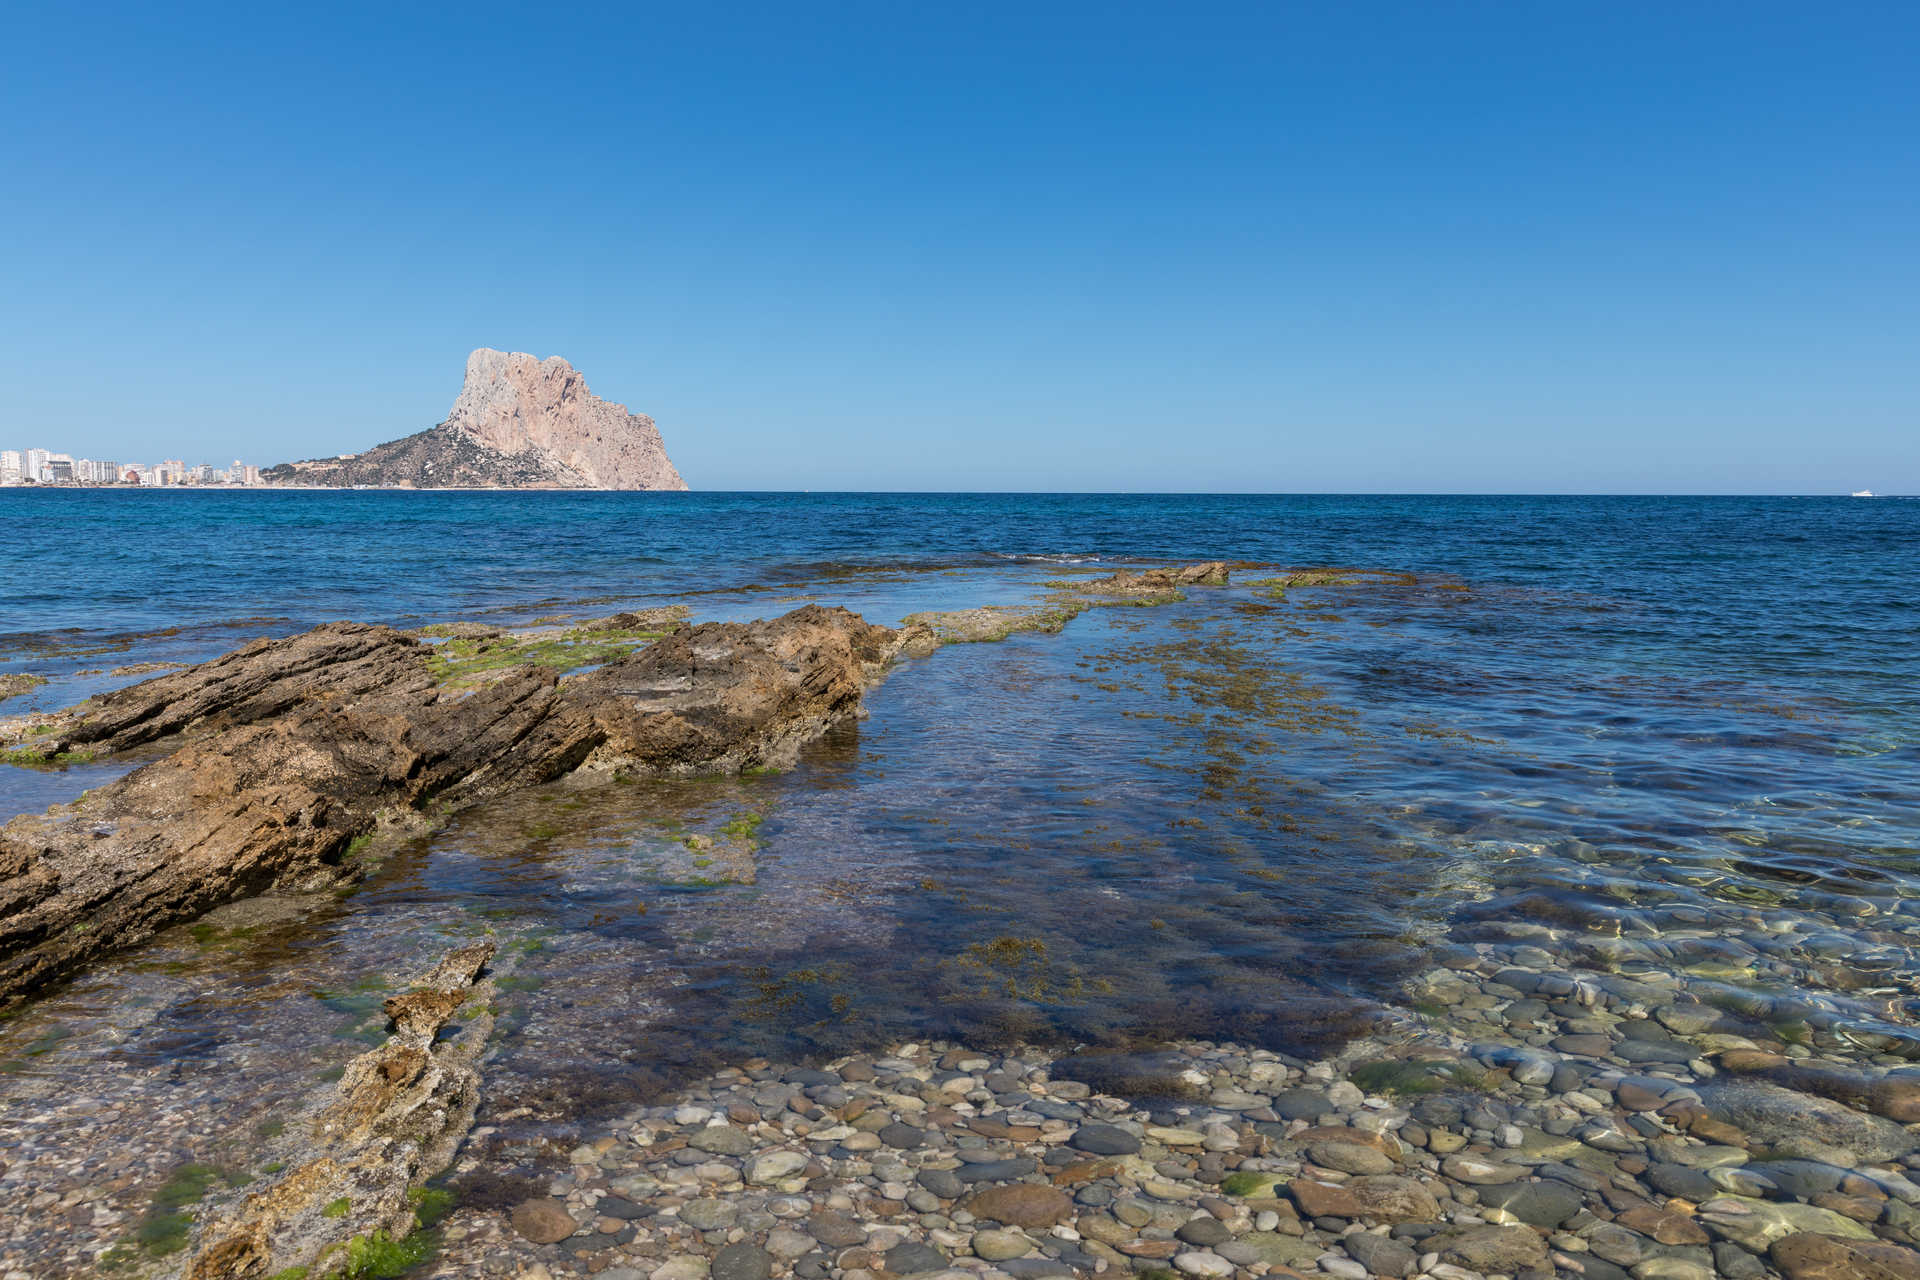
(1374,247)
(37,466)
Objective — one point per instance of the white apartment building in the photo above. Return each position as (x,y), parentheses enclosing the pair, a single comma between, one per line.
(12,466)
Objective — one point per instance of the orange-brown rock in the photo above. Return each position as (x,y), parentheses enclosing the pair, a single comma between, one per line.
(287,750)
(1376,1197)
(1820,1257)
(1664,1225)
(1022,1204)
(1385,1143)
(1210,573)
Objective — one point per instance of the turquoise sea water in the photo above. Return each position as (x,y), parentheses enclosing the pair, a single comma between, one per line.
(1649,734)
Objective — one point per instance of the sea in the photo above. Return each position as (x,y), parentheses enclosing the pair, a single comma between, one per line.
(1674,738)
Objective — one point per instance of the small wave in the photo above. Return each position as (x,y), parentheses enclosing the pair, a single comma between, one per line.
(1044,557)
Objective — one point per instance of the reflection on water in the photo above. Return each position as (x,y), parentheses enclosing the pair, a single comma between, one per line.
(1246,817)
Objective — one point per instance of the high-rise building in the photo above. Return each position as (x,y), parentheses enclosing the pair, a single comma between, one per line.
(37,463)
(12,466)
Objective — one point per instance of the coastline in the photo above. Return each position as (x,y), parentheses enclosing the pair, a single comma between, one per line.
(1690,1087)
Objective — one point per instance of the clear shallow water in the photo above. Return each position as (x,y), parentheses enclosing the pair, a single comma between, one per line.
(1650,737)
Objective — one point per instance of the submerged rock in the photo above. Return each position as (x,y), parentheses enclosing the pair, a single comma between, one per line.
(291,750)
(1145,582)
(15,683)
(1799,1124)
(395,1120)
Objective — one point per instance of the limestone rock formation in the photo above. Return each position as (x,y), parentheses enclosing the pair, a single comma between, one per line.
(518,422)
(288,750)
(395,1120)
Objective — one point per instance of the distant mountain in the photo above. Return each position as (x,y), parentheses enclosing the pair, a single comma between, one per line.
(519,423)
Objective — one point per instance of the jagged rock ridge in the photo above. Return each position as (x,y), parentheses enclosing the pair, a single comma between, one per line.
(518,423)
(286,751)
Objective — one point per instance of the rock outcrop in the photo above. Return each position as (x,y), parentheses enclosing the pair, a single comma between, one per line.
(518,423)
(395,1120)
(287,751)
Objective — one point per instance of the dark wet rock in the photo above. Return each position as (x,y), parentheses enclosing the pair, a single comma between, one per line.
(944,1183)
(709,1214)
(394,1120)
(1735,1263)
(288,750)
(1636,1095)
(902,1137)
(743,1261)
(1803,1179)
(1679,1180)
(835,1229)
(1302,1104)
(994,1170)
(1105,1140)
(1592,1268)
(1042,1267)
(913,1258)
(1381,1255)
(1656,1051)
(1541,1204)
(620,1207)
(1586,1046)
(1205,1232)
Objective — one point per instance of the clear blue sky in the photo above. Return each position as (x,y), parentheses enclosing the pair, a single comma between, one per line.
(1432,246)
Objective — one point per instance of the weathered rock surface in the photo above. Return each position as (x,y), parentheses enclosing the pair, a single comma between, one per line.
(519,422)
(1818,1257)
(15,683)
(290,749)
(1798,1124)
(1207,573)
(394,1121)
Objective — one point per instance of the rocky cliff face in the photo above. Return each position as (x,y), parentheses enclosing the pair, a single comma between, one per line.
(518,423)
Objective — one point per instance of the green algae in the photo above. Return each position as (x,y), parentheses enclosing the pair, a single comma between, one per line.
(31,758)
(432,1205)
(162,1230)
(1246,1184)
(380,1257)
(1401,1078)
(14,684)
(462,662)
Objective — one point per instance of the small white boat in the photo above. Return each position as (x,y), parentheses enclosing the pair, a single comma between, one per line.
(1863,493)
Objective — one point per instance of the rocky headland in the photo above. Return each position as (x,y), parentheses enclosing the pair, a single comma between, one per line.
(288,755)
(518,423)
